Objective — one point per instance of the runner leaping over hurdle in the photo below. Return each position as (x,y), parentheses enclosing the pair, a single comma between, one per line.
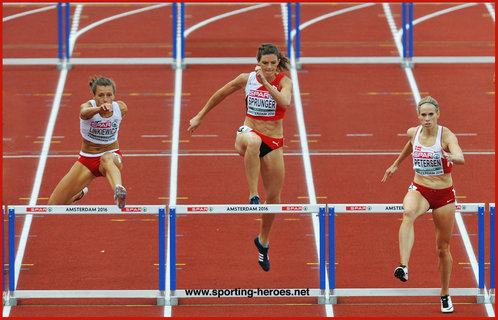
(434,149)
(100,119)
(260,140)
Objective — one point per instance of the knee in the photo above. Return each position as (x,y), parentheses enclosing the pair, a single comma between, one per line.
(253,143)
(443,251)
(107,159)
(409,215)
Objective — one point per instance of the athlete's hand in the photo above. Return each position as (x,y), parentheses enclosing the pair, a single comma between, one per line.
(447,156)
(389,172)
(259,74)
(106,107)
(194,123)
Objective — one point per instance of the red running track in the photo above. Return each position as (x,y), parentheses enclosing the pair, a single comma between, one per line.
(217,251)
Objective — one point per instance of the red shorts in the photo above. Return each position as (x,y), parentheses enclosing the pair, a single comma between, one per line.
(268,144)
(93,163)
(436,197)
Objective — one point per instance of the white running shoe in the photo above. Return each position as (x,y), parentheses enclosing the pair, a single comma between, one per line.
(401,273)
(446,305)
(83,192)
(120,196)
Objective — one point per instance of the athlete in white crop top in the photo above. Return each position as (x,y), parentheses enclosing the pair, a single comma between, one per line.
(259,140)
(434,150)
(100,119)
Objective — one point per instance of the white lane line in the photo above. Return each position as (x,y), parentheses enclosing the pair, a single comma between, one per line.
(22,14)
(39,173)
(491,10)
(329,311)
(154,136)
(416,93)
(221,16)
(73,37)
(359,134)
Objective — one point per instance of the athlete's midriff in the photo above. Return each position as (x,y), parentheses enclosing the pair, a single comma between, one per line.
(434,182)
(90,147)
(270,128)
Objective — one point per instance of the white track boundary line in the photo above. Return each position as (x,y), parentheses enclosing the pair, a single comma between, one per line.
(416,94)
(40,171)
(22,14)
(303,137)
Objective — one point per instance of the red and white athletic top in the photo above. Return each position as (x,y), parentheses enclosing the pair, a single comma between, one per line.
(259,102)
(102,130)
(429,161)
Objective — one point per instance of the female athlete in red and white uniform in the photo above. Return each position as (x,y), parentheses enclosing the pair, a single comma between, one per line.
(100,119)
(434,150)
(260,140)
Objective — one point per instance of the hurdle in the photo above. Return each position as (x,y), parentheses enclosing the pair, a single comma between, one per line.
(10,298)
(63,35)
(398,292)
(407,41)
(176,294)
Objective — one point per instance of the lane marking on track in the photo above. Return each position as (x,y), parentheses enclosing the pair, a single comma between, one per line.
(179,141)
(154,136)
(359,134)
(22,14)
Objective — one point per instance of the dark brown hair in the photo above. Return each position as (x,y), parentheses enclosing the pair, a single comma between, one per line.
(270,48)
(101,81)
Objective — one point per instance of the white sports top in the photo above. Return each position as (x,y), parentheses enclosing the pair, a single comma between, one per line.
(429,161)
(102,130)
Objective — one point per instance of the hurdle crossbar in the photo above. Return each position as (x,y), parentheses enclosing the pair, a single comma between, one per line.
(398,208)
(10,297)
(320,210)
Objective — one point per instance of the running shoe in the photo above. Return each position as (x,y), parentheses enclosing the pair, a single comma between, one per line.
(401,273)
(120,196)
(254,200)
(263,260)
(83,192)
(446,305)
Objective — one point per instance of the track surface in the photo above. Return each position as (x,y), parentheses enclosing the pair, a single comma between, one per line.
(361,109)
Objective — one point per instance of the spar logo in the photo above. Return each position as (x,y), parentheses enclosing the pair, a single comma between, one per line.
(198,209)
(358,208)
(424,155)
(293,208)
(102,125)
(134,209)
(260,94)
(36,209)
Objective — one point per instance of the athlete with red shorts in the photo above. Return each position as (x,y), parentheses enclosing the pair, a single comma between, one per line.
(100,119)
(268,94)
(434,150)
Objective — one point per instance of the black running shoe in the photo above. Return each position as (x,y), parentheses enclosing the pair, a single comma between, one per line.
(446,305)
(263,260)
(401,273)
(254,200)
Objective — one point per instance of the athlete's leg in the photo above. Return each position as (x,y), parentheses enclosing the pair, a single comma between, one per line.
(71,185)
(110,167)
(247,145)
(272,174)
(444,220)
(414,205)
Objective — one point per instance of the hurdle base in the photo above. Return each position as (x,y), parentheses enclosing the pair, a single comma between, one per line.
(407,63)
(8,300)
(175,66)
(492,296)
